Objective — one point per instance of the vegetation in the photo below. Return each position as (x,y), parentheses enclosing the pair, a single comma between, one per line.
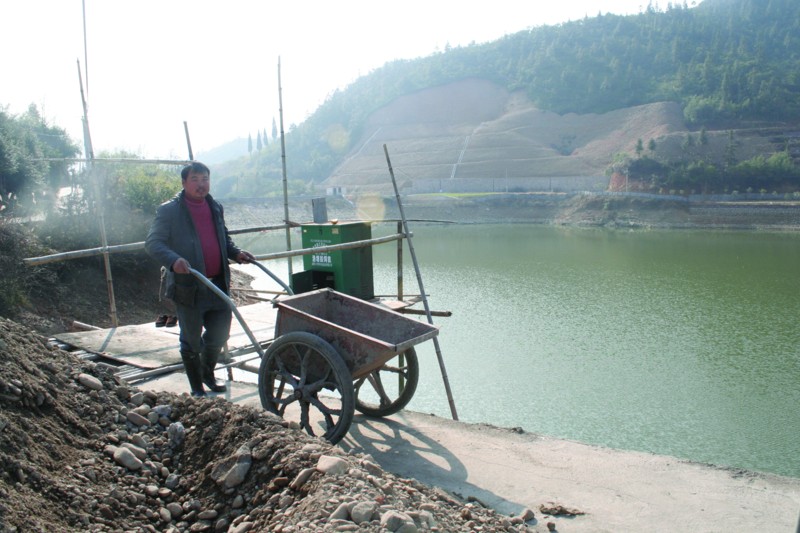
(725,61)
(776,173)
(26,178)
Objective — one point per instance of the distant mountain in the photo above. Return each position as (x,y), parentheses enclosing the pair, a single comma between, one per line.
(231,150)
(723,66)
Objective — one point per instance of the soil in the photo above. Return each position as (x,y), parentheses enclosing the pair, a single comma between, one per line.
(82,451)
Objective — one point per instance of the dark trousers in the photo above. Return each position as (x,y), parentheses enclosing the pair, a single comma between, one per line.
(206,326)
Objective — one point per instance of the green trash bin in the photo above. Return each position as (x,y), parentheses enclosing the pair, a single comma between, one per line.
(347,271)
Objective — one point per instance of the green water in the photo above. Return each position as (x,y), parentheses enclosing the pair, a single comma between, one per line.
(673,342)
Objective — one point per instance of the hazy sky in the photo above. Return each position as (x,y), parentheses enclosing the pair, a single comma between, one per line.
(153,64)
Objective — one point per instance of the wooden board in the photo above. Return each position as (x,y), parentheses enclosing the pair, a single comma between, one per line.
(146,346)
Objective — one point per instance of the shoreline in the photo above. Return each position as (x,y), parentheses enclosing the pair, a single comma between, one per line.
(589,210)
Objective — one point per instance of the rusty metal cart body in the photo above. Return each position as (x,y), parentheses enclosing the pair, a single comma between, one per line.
(333,354)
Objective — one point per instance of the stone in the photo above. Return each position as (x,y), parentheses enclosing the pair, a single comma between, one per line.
(175,509)
(140,453)
(231,471)
(136,419)
(332,465)
(302,478)
(126,458)
(165,515)
(90,382)
(395,520)
(362,512)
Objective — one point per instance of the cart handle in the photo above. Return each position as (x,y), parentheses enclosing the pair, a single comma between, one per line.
(269,273)
(225,298)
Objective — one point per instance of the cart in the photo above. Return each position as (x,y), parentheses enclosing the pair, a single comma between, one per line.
(333,354)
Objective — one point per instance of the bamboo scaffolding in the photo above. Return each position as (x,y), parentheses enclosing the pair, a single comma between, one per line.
(283,165)
(87,139)
(428,312)
(132,247)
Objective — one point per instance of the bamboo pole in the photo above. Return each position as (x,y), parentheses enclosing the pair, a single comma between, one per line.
(132,247)
(87,138)
(114,160)
(188,141)
(421,287)
(283,164)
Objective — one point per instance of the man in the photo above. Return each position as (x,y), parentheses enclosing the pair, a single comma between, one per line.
(189,232)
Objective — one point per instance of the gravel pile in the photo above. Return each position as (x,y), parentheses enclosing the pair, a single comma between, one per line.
(80,450)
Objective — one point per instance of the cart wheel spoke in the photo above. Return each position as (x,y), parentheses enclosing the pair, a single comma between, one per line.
(391,386)
(305,420)
(293,373)
(377,385)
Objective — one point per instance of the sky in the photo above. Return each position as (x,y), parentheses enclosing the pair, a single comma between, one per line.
(148,66)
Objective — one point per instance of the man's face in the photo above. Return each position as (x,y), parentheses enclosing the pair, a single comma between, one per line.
(196,185)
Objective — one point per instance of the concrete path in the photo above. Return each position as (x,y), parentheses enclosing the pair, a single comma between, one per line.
(619,491)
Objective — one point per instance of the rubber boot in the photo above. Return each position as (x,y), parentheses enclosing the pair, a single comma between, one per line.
(210,358)
(192,364)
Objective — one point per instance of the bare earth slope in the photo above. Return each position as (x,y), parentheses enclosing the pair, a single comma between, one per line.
(466,135)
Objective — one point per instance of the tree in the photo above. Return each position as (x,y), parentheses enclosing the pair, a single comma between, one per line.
(249,143)
(639,147)
(274,130)
(258,141)
(25,142)
(651,145)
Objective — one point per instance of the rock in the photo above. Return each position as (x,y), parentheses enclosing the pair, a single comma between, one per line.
(342,512)
(90,382)
(362,512)
(302,478)
(140,453)
(137,399)
(165,515)
(136,419)
(396,521)
(175,509)
(177,434)
(231,471)
(126,458)
(332,465)
(242,527)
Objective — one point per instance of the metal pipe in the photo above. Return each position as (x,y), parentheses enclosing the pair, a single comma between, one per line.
(225,298)
(421,287)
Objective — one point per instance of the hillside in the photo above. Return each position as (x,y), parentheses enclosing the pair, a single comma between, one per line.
(475,136)
(564,102)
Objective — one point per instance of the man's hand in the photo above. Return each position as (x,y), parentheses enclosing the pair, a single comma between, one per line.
(245,257)
(181,266)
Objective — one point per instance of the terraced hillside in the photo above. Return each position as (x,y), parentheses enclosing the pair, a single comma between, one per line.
(474,136)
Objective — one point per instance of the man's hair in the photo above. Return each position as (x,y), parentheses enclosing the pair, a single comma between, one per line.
(195,166)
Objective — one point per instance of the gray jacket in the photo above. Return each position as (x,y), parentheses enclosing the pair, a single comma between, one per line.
(172,236)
